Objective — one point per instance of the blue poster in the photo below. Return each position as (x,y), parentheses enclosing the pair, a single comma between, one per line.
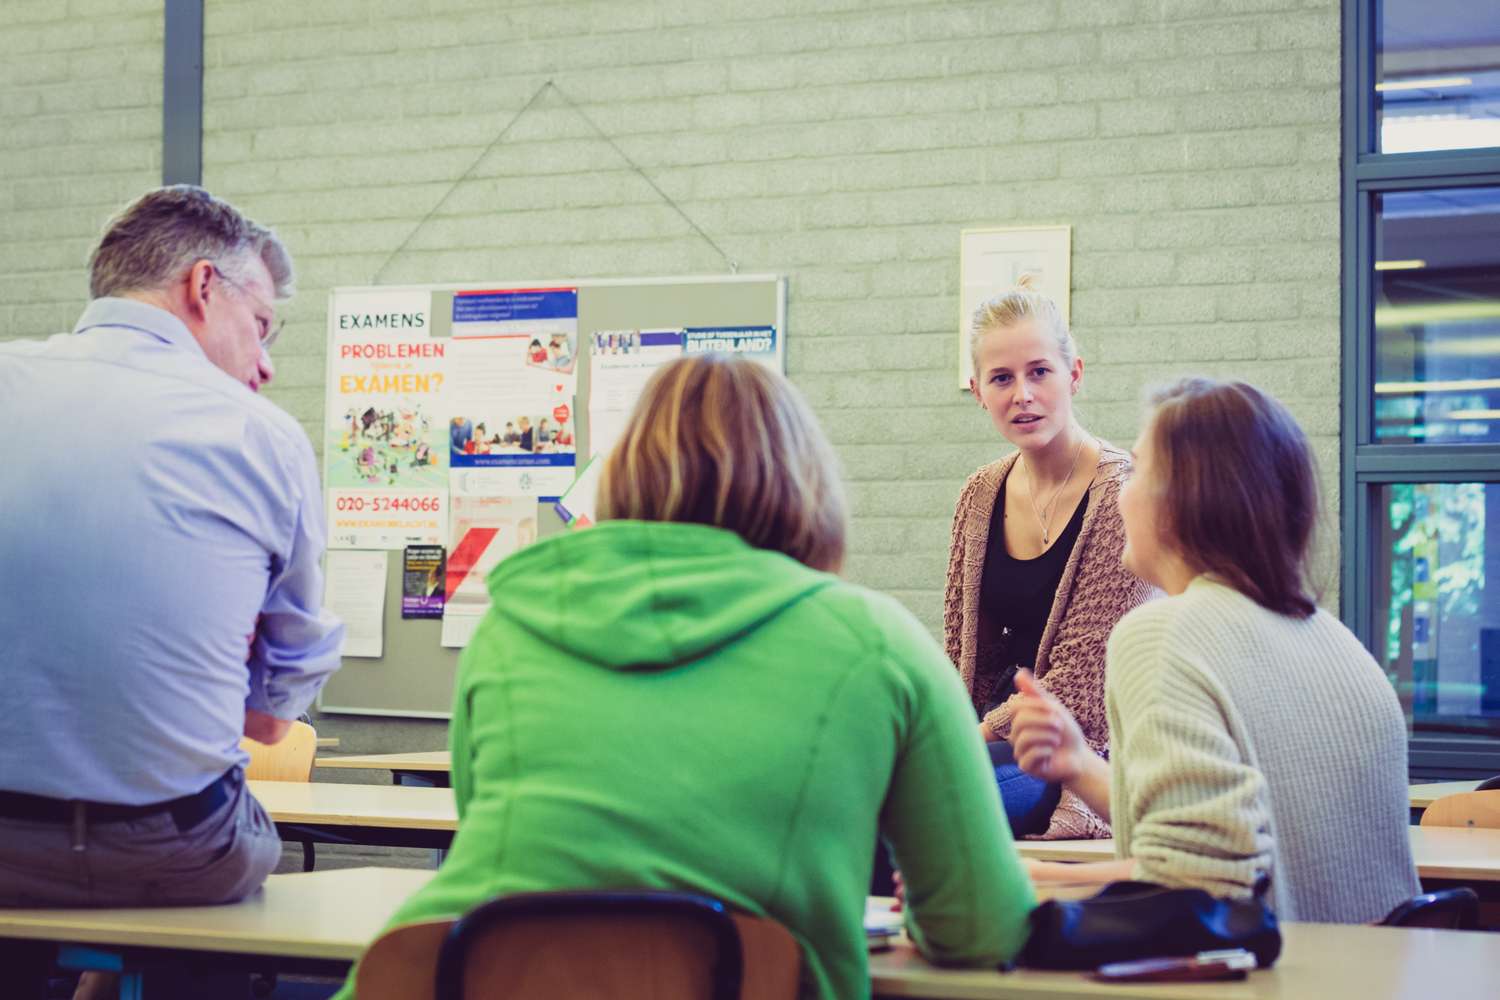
(757,342)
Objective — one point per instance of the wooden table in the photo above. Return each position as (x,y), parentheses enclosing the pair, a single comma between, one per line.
(322,921)
(1066,850)
(429,767)
(1318,962)
(377,815)
(1456,853)
(1446,853)
(400,816)
(315,923)
(432,767)
(328,915)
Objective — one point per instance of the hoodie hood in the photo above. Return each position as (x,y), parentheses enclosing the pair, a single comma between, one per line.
(646,594)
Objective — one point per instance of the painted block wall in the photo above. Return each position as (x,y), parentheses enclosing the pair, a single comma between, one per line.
(1192,145)
(80,135)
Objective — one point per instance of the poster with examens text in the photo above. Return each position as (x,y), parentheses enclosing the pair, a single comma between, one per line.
(385,448)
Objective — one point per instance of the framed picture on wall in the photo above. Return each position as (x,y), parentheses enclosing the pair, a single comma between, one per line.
(993,259)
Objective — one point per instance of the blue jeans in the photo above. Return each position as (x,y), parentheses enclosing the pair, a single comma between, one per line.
(1028,801)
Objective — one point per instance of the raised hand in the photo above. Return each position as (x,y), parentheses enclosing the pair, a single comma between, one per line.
(1046,739)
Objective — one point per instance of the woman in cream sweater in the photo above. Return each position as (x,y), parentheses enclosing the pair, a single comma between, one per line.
(1034,573)
(1253,735)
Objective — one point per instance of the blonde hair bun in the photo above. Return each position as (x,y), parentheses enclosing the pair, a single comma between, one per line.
(1020,304)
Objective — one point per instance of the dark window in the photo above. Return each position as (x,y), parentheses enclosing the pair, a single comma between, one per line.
(1437,602)
(1437,75)
(1437,315)
(1420,433)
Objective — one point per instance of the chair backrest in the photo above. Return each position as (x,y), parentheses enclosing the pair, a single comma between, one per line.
(1464,809)
(627,945)
(402,963)
(1453,909)
(291,759)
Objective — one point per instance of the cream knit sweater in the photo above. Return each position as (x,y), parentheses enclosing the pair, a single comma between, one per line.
(1249,742)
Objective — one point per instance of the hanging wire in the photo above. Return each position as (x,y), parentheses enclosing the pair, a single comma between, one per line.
(499,138)
(466,174)
(734,267)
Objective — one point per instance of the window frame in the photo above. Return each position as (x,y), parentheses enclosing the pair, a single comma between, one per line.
(1365,466)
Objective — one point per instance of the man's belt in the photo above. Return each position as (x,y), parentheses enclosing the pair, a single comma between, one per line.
(187,811)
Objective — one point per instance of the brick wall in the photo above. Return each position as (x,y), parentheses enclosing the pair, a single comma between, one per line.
(80,134)
(1192,144)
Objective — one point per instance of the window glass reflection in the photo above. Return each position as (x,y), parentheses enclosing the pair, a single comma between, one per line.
(1437,316)
(1437,611)
(1437,75)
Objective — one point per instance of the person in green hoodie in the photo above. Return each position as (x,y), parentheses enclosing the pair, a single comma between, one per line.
(686,697)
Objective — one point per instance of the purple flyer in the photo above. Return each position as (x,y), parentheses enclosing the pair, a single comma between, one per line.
(422,581)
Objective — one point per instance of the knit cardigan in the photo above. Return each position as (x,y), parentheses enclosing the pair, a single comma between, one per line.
(1251,743)
(1095,591)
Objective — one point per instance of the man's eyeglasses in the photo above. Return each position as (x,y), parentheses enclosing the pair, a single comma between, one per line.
(269,329)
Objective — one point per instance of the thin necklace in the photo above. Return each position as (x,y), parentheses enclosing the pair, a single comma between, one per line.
(1046,521)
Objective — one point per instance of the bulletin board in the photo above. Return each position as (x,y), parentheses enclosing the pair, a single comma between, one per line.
(413,374)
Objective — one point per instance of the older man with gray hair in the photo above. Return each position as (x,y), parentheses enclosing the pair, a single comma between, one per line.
(162,531)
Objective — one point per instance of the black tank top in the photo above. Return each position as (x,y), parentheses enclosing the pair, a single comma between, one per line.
(1015,599)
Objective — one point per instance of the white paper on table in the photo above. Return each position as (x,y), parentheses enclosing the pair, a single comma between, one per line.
(354,589)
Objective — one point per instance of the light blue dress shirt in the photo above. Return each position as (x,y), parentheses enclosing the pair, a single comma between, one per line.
(152,510)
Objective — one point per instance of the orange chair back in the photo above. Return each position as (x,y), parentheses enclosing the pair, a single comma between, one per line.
(1478,809)
(402,963)
(291,759)
(582,957)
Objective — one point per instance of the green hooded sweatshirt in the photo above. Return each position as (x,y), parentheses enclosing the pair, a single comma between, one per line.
(661,705)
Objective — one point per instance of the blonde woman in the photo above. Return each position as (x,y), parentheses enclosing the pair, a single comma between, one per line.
(1034,574)
(686,697)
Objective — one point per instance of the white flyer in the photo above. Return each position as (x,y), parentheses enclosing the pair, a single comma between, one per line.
(511,396)
(484,530)
(354,589)
(620,364)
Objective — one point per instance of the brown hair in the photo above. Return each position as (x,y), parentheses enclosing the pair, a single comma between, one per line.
(725,441)
(1240,488)
(161,234)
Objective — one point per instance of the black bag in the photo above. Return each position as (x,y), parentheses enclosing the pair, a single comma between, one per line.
(1132,920)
